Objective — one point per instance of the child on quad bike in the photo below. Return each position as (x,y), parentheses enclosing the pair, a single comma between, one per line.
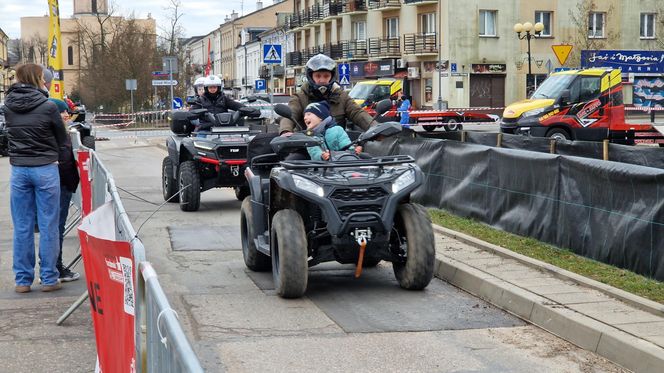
(320,123)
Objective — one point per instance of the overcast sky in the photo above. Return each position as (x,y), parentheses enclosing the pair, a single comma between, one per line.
(200,16)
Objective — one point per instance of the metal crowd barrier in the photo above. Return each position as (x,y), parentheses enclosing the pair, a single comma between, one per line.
(163,347)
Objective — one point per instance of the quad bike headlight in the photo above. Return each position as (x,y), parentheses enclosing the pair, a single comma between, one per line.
(308,186)
(203,145)
(404,180)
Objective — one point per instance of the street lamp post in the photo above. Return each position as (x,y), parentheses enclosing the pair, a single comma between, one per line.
(526,28)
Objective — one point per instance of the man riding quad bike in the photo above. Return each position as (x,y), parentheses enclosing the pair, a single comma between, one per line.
(350,209)
(196,164)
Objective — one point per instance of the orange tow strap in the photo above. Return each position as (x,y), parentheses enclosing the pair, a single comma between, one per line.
(360,258)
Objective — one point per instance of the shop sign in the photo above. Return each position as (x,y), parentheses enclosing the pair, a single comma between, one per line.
(627,61)
(489,68)
(372,69)
(290,82)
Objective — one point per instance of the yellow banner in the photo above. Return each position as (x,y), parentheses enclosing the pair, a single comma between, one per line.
(55,50)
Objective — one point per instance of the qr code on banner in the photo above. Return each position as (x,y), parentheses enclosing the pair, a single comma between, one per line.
(128,279)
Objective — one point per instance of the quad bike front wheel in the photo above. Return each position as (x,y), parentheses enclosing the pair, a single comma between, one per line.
(413,240)
(190,186)
(288,244)
(253,259)
(169,186)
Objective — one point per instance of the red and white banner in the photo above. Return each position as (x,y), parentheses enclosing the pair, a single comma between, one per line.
(109,269)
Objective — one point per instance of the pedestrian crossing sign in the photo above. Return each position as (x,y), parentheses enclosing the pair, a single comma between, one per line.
(344,80)
(272,53)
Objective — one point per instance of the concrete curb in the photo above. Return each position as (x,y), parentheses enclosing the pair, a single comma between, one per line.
(605,340)
(629,298)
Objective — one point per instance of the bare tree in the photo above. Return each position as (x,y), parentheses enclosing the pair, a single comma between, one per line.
(579,38)
(114,49)
(173,32)
(34,49)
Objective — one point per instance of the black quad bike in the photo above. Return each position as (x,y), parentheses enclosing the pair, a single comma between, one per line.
(195,164)
(350,209)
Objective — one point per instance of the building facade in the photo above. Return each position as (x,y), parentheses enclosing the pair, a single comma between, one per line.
(463,53)
(34,33)
(6,74)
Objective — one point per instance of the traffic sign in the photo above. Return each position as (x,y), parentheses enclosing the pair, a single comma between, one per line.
(272,53)
(177,103)
(344,73)
(260,84)
(562,52)
(159,74)
(453,67)
(164,82)
(131,84)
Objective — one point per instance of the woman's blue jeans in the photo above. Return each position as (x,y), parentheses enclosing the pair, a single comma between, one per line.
(35,188)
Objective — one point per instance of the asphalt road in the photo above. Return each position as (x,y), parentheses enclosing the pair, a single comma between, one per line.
(236,323)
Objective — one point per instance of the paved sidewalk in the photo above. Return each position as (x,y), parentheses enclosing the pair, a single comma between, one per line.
(620,326)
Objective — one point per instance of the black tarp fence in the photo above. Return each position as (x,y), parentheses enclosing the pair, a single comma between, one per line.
(608,211)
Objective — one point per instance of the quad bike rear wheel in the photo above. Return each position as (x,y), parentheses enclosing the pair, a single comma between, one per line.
(169,186)
(253,259)
(413,239)
(190,197)
(288,244)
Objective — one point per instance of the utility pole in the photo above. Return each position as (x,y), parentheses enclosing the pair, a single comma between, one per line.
(439,102)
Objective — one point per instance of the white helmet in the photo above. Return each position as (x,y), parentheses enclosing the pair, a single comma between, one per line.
(212,80)
(199,82)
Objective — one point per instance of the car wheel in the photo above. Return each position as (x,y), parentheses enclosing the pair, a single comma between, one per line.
(453,125)
(288,244)
(88,142)
(429,127)
(190,197)
(412,240)
(242,192)
(558,134)
(253,259)
(169,186)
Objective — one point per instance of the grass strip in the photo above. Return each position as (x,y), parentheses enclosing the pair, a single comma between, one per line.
(562,258)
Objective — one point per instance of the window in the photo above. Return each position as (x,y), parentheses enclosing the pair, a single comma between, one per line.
(488,22)
(596,25)
(428,23)
(70,55)
(392,28)
(585,89)
(545,18)
(360,30)
(647,30)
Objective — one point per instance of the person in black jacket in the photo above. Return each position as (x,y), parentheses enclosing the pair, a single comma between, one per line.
(36,132)
(69,180)
(214,100)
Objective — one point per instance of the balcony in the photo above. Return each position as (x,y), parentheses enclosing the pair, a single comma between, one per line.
(332,9)
(354,7)
(384,4)
(354,49)
(294,58)
(333,50)
(384,48)
(419,2)
(420,44)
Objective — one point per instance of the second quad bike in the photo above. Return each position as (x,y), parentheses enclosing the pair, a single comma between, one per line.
(198,161)
(350,209)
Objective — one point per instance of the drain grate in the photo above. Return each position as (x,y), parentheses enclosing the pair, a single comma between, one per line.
(205,238)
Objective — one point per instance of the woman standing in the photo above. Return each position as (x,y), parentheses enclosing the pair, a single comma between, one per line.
(36,132)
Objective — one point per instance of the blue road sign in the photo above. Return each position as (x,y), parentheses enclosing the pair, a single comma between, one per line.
(344,73)
(453,67)
(177,103)
(260,84)
(272,53)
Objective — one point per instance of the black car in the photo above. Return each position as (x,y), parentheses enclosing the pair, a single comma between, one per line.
(4,141)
